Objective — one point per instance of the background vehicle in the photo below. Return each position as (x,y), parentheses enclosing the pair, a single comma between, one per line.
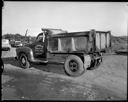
(5,44)
(12,43)
(18,44)
(76,50)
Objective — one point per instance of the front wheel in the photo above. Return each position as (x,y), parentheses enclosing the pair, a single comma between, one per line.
(74,66)
(23,60)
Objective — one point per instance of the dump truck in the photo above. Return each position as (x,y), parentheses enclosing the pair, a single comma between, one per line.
(76,51)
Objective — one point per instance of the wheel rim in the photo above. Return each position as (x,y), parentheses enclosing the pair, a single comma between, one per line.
(23,60)
(73,66)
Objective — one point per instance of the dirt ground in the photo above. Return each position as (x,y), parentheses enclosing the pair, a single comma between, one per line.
(49,82)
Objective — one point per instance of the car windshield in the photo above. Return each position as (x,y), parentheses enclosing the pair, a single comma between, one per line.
(18,42)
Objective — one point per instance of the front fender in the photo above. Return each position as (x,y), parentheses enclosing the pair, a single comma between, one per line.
(26,50)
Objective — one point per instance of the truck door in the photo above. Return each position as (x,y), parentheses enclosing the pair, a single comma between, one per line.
(40,47)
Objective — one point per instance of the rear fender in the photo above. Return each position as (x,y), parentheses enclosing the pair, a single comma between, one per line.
(87,61)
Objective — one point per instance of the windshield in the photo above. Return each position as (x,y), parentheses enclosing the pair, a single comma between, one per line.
(41,37)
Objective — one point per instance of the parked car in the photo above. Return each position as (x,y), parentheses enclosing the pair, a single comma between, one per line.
(5,44)
(12,43)
(18,44)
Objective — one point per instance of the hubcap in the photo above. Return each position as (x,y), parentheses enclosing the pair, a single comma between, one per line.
(23,60)
(73,66)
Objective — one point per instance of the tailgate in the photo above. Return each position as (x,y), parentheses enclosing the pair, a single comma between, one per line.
(103,40)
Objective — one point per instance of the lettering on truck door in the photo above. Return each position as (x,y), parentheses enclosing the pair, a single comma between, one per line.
(40,46)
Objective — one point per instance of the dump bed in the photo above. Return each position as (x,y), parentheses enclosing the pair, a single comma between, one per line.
(77,42)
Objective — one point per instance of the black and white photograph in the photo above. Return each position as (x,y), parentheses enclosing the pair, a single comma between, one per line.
(64,50)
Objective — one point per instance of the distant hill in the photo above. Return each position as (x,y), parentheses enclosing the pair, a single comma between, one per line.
(18,37)
(119,39)
(119,43)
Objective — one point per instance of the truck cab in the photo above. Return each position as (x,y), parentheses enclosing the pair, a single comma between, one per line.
(77,51)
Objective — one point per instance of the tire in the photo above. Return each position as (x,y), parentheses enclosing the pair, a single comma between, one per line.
(23,60)
(74,66)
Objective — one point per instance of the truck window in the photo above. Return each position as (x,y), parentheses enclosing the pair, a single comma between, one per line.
(40,37)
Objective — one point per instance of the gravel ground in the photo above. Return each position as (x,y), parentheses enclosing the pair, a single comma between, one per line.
(108,82)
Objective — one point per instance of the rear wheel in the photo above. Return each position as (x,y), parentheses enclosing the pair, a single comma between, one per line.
(74,66)
(23,60)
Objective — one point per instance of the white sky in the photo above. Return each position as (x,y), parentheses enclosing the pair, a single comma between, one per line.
(70,16)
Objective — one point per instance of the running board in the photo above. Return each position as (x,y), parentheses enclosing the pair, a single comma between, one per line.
(54,62)
(39,61)
(48,62)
